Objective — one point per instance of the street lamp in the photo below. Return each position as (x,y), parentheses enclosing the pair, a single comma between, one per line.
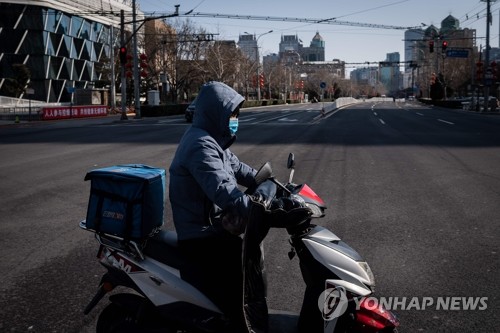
(257,60)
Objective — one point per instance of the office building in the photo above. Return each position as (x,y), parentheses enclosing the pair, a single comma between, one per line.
(65,45)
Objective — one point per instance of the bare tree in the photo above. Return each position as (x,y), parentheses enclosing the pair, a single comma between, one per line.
(174,54)
(18,81)
(222,62)
(247,74)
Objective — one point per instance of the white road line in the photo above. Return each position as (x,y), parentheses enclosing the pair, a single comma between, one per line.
(420,114)
(242,120)
(447,122)
(383,122)
(375,113)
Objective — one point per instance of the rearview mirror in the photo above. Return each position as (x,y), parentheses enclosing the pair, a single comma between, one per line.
(291,161)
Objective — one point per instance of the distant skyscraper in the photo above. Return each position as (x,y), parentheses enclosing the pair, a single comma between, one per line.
(291,44)
(248,45)
(316,50)
(390,75)
(412,39)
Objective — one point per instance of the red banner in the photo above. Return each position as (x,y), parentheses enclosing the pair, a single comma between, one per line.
(78,111)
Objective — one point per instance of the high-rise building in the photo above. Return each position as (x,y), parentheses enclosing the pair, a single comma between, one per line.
(413,38)
(64,44)
(316,50)
(390,75)
(291,45)
(248,45)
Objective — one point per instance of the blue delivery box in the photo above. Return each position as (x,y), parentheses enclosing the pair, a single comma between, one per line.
(126,201)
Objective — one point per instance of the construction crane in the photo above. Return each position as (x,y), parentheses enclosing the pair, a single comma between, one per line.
(332,21)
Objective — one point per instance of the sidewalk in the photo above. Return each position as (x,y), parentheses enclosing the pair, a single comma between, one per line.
(64,122)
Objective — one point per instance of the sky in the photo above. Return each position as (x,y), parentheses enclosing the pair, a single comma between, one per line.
(352,44)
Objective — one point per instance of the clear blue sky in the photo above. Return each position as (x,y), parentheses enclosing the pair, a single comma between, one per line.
(347,43)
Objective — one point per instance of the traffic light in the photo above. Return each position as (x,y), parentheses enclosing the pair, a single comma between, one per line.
(444,45)
(433,78)
(144,65)
(479,71)
(431,46)
(123,55)
(261,80)
(493,67)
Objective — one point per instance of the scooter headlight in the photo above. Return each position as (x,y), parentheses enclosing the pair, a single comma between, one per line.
(316,211)
(371,278)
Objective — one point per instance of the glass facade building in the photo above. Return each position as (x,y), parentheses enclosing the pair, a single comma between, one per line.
(63,49)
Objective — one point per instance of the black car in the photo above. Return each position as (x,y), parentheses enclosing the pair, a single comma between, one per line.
(189,114)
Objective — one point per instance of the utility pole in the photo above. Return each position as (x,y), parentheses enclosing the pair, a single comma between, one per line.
(488,75)
(112,86)
(136,63)
(122,68)
(135,56)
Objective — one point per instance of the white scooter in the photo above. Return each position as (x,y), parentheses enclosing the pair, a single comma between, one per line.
(336,276)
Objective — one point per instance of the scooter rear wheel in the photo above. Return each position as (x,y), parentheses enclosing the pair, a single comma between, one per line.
(114,319)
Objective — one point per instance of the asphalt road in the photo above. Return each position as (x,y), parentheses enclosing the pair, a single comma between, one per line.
(413,189)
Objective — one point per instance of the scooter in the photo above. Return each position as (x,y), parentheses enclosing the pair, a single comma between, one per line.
(337,278)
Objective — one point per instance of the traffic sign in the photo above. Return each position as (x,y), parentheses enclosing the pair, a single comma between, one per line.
(322,85)
(457,53)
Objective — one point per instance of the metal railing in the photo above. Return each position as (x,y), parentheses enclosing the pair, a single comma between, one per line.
(15,108)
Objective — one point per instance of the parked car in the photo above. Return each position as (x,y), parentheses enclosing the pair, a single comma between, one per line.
(189,114)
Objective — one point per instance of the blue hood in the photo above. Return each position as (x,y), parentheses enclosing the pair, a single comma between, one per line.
(214,104)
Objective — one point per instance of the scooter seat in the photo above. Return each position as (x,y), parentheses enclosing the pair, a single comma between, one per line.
(168,237)
(163,247)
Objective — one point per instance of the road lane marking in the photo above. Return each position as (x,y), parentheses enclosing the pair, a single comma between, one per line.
(420,114)
(447,122)
(242,120)
(375,113)
(383,122)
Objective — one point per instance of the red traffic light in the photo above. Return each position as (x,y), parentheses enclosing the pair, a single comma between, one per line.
(261,80)
(123,55)
(444,46)
(433,78)
(479,71)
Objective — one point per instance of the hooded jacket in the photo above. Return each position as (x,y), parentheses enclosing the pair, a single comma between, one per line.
(204,174)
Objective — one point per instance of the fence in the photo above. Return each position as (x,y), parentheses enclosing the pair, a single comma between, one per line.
(10,108)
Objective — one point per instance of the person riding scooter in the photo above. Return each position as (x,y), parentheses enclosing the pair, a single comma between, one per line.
(204,179)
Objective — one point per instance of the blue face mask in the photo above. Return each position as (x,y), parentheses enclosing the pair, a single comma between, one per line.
(233,125)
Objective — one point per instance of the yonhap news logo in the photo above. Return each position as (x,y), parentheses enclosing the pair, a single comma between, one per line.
(446,303)
(333,303)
